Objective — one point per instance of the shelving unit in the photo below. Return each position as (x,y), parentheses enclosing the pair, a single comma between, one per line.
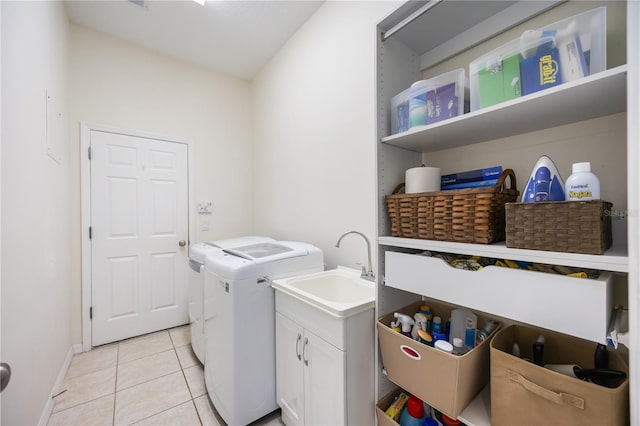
(400,62)
(615,259)
(597,95)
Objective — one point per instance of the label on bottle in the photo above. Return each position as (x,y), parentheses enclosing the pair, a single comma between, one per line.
(470,334)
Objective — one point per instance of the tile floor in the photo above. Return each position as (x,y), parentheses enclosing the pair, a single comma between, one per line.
(148,380)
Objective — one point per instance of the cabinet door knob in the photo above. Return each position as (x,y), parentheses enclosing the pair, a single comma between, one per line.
(297,350)
(304,351)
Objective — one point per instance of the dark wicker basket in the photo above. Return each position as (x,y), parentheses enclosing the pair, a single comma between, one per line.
(471,215)
(563,226)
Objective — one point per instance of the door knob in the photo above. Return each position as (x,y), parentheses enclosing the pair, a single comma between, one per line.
(5,375)
(182,243)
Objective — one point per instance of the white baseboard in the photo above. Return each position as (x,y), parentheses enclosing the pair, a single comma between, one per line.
(48,409)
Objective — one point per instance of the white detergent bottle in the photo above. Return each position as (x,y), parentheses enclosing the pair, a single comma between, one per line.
(582,185)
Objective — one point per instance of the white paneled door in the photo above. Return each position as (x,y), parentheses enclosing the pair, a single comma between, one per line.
(139,234)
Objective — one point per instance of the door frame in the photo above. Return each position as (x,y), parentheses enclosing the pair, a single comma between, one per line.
(85,208)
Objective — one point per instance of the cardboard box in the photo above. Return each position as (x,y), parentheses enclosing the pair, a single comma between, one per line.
(499,82)
(445,381)
(381,408)
(525,393)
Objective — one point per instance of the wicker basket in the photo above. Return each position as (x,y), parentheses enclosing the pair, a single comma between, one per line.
(472,215)
(563,226)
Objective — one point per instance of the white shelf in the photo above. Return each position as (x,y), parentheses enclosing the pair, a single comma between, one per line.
(615,259)
(594,96)
(510,293)
(478,412)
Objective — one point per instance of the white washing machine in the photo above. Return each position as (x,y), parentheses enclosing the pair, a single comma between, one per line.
(240,324)
(197,255)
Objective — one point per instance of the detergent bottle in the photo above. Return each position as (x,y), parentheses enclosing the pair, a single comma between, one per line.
(413,413)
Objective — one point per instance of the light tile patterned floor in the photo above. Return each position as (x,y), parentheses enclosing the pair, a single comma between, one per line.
(149,380)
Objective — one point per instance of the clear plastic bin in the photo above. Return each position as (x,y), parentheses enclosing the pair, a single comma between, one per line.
(555,54)
(429,101)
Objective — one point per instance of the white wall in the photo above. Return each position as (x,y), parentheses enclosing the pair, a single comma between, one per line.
(36,208)
(314,133)
(118,84)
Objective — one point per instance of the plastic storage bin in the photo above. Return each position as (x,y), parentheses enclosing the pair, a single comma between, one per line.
(429,101)
(445,381)
(558,53)
(525,393)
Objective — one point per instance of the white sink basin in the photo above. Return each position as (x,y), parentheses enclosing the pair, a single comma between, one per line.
(340,292)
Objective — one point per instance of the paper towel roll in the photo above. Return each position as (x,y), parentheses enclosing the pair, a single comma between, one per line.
(422,179)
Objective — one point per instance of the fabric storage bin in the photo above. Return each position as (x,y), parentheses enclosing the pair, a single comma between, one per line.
(564,51)
(472,215)
(525,393)
(445,381)
(564,226)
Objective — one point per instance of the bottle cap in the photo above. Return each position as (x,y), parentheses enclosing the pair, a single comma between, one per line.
(448,421)
(443,345)
(425,336)
(457,342)
(437,320)
(581,167)
(415,407)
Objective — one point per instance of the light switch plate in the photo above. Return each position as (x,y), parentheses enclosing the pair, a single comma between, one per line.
(205,206)
(204,224)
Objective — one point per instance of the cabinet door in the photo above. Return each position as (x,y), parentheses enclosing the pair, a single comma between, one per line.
(289,389)
(324,382)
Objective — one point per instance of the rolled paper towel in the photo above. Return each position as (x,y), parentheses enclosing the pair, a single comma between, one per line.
(422,179)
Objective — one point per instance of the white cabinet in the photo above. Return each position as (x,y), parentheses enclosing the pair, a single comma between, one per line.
(585,120)
(324,364)
(310,376)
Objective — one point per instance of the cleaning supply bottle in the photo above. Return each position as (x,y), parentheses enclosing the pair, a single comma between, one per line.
(437,331)
(413,413)
(463,326)
(421,324)
(458,347)
(405,323)
(582,185)
(426,311)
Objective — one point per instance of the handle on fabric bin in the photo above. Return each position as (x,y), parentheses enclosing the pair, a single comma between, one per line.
(399,187)
(559,398)
(512,179)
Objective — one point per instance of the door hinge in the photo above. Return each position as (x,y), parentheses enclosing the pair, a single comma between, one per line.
(90,232)
(90,312)
(89,153)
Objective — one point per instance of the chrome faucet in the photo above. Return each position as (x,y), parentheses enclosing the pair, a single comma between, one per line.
(366,274)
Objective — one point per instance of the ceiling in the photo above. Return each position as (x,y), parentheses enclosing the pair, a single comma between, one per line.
(235,37)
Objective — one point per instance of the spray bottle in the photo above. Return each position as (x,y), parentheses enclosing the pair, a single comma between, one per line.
(421,324)
(406,322)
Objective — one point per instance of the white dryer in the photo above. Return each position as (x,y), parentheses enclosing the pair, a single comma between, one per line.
(240,324)
(197,255)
